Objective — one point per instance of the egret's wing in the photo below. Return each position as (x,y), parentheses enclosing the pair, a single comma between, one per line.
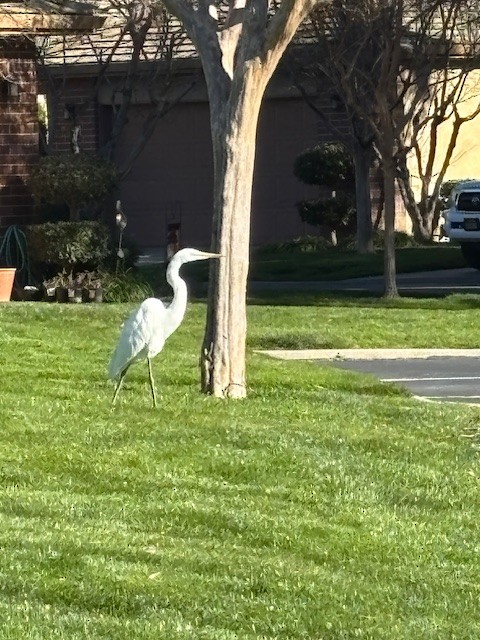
(141,337)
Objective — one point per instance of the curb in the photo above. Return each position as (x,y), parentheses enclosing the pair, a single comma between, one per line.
(367,354)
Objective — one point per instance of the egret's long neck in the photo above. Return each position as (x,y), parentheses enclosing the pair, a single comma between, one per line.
(178,306)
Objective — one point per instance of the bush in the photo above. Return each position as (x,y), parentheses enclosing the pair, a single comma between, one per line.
(74,180)
(303,244)
(73,246)
(402,241)
(328,164)
(337,213)
(124,287)
(331,167)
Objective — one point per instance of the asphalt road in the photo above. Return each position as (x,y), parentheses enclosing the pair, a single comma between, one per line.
(440,282)
(451,379)
(428,283)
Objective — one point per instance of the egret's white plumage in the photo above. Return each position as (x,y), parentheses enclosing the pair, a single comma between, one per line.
(142,336)
(146,329)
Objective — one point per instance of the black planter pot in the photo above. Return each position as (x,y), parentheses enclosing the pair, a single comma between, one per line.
(31,294)
(75,295)
(50,294)
(61,294)
(92,295)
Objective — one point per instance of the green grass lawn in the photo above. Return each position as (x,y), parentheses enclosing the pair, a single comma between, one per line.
(330,264)
(338,265)
(325,506)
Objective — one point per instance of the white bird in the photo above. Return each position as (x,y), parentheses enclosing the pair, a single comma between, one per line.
(146,329)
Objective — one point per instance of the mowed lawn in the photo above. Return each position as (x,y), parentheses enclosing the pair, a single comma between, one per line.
(325,506)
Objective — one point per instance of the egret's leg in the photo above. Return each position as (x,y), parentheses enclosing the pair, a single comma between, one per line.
(119,384)
(152,383)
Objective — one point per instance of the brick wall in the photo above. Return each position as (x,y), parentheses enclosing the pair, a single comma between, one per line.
(18,130)
(71,104)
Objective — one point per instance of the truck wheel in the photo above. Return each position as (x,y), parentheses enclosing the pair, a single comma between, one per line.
(471,253)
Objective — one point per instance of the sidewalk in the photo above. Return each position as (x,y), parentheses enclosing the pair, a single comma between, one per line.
(367,354)
(151,255)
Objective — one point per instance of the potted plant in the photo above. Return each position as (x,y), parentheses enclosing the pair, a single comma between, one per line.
(92,287)
(30,293)
(75,287)
(61,286)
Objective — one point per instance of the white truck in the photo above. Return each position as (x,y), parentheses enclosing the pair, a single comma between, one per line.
(461,220)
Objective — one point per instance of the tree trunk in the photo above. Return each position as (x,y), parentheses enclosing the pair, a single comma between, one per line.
(74,212)
(362,160)
(390,275)
(424,214)
(238,56)
(423,228)
(234,126)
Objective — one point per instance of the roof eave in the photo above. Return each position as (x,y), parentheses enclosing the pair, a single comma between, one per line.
(43,24)
(48,17)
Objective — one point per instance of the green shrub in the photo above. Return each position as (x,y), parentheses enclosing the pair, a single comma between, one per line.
(124,287)
(54,246)
(303,244)
(329,166)
(73,179)
(402,241)
(337,212)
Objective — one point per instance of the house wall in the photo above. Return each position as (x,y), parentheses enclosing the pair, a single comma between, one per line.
(18,130)
(171,182)
(465,162)
(71,104)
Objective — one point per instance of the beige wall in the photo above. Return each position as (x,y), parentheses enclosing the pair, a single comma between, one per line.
(465,161)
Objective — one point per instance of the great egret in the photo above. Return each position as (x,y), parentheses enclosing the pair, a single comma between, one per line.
(146,329)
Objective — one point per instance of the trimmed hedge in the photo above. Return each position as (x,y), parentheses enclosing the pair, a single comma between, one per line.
(72,179)
(72,246)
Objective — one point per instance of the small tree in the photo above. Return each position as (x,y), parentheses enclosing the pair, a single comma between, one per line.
(74,180)
(240,45)
(326,64)
(328,166)
(451,102)
(403,42)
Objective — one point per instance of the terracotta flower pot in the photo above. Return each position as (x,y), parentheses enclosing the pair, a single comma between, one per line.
(7,277)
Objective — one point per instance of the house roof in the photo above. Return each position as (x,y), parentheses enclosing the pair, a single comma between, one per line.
(112,42)
(46,17)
